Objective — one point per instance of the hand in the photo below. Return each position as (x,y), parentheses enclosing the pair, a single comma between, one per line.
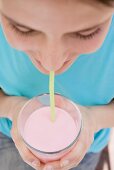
(25,153)
(73,158)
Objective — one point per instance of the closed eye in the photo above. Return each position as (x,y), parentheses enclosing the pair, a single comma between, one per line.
(86,36)
(27,32)
(22,31)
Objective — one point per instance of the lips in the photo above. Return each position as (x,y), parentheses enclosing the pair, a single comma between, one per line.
(64,67)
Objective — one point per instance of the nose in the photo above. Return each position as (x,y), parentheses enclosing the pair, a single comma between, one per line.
(53,56)
(52,62)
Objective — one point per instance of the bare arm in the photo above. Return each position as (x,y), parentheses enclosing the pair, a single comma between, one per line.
(10,104)
(103,115)
(10,107)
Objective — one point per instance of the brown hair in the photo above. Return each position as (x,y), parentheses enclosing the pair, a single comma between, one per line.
(107,2)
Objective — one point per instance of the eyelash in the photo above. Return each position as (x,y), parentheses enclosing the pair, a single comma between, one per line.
(22,33)
(89,36)
(83,37)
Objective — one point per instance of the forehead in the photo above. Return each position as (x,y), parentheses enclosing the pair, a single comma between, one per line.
(50,13)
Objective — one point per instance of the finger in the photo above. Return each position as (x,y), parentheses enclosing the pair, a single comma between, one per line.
(72,158)
(33,104)
(63,103)
(73,164)
(71,108)
(76,154)
(28,156)
(25,153)
(55,165)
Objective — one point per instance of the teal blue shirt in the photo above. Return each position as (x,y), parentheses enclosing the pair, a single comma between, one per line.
(89,81)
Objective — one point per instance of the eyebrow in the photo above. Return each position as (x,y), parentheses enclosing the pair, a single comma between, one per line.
(27,27)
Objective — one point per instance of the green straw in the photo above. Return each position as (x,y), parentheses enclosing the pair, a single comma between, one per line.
(52,99)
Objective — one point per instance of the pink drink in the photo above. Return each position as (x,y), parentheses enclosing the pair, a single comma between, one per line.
(49,140)
(43,134)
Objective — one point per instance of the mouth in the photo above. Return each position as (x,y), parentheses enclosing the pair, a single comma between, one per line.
(63,68)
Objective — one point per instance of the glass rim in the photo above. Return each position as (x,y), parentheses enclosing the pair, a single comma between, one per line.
(58,151)
(72,143)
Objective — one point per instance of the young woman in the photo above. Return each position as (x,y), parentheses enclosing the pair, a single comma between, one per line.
(75,38)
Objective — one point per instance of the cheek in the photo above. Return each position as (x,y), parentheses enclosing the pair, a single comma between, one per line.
(12,38)
(8,33)
(91,45)
(14,41)
(96,43)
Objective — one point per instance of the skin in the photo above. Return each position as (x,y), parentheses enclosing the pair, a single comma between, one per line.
(53,45)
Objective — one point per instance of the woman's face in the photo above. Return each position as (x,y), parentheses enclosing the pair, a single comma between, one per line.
(53,33)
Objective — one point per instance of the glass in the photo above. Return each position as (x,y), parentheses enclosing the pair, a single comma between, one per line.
(42,101)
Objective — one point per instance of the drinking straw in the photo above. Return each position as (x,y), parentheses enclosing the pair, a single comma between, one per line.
(52,98)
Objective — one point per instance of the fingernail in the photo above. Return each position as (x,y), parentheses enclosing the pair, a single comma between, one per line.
(49,167)
(36,163)
(64,163)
